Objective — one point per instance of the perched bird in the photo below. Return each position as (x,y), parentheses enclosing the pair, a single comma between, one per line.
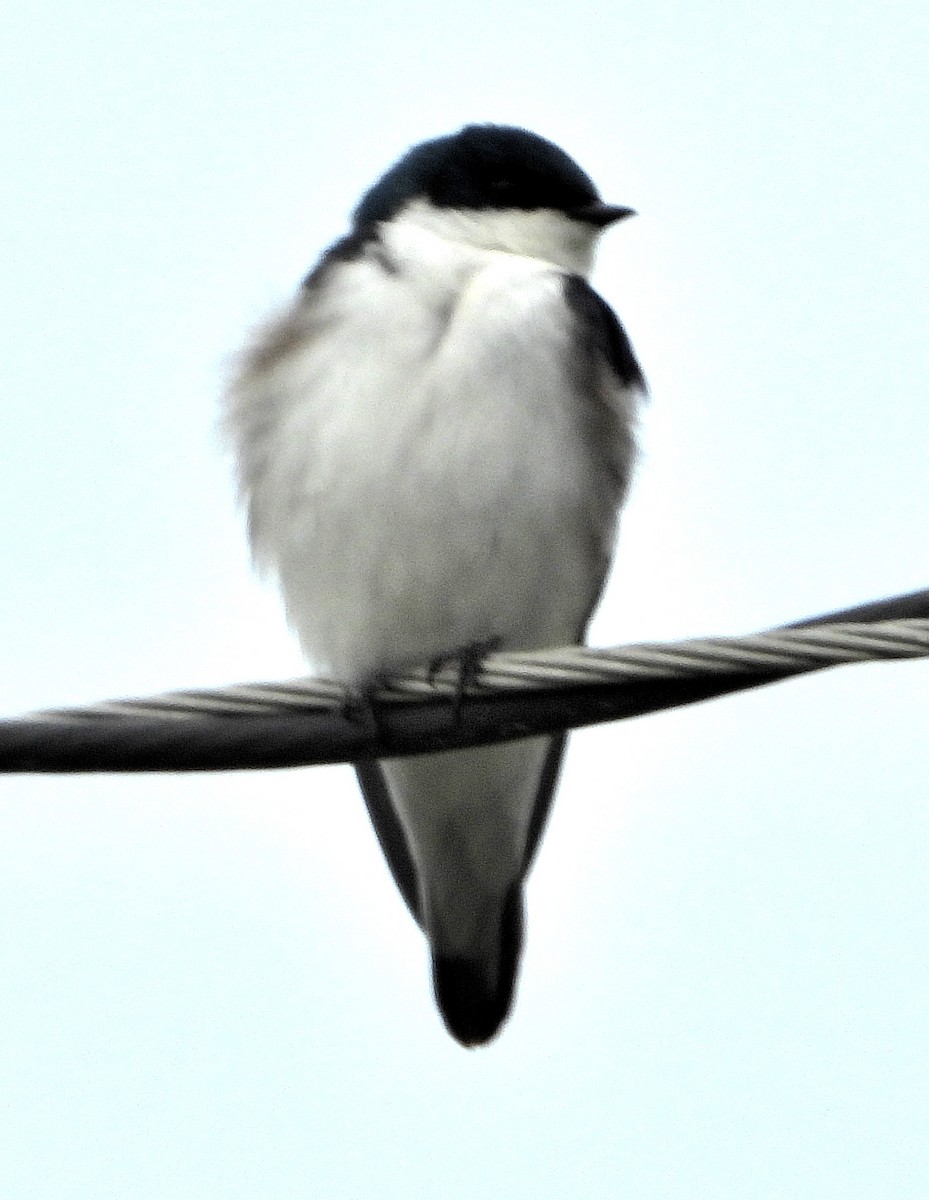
(433,441)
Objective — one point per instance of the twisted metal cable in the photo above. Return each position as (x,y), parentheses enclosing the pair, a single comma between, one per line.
(794,651)
(307,721)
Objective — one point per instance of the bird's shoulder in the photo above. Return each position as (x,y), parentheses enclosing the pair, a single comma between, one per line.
(600,332)
(360,247)
(400,285)
(384,282)
(403,261)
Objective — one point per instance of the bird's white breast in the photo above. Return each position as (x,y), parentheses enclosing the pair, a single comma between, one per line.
(408,446)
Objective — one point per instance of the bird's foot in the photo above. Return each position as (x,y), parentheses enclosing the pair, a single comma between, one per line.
(361,709)
(468,661)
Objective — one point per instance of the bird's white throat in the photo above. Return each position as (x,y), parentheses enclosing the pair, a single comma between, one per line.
(541,233)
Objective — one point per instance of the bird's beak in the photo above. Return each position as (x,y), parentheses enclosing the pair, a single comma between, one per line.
(601,215)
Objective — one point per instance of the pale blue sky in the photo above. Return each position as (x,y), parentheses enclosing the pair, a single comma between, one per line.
(208,986)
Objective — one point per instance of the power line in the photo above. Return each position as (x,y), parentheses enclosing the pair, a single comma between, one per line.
(312,721)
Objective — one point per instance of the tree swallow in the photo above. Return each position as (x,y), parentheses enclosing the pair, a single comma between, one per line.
(433,441)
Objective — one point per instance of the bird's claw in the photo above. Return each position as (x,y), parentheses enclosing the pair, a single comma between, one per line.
(359,708)
(468,661)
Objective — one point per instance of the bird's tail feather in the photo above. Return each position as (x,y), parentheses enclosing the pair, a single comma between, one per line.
(474,994)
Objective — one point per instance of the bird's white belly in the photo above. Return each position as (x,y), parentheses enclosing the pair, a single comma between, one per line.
(408,556)
(428,498)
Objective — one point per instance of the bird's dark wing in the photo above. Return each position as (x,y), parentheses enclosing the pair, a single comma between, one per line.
(389,832)
(609,388)
(548,782)
(600,342)
(600,334)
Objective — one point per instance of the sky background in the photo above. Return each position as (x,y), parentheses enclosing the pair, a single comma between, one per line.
(208,985)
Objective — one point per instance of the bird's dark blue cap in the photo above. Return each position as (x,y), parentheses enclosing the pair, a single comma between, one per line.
(485,167)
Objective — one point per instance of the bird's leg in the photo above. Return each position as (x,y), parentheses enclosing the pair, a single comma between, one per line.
(359,708)
(468,660)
